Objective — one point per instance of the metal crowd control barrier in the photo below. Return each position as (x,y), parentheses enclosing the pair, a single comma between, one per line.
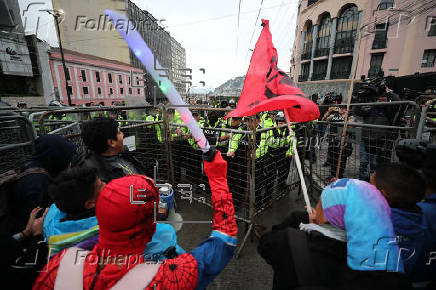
(365,144)
(256,179)
(16,141)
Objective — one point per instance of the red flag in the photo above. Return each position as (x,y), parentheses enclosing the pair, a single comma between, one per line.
(267,88)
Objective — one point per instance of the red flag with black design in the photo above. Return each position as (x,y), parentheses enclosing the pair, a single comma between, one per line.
(267,88)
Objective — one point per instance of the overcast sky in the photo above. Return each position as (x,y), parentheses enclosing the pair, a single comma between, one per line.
(208,30)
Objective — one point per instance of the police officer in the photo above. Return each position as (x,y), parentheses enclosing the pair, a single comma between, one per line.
(280,150)
(195,154)
(239,149)
(214,136)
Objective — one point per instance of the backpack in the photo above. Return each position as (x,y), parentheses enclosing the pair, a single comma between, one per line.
(7,179)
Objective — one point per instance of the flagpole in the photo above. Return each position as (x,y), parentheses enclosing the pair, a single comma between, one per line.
(298,163)
(350,93)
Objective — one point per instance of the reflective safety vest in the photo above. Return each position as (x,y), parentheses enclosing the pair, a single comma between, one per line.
(212,135)
(239,140)
(268,122)
(177,119)
(191,140)
(280,138)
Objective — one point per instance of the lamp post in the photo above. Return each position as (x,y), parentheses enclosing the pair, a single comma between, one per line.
(58,14)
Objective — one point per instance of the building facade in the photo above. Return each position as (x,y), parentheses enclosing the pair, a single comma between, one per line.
(16,73)
(178,64)
(93,79)
(168,52)
(86,29)
(389,37)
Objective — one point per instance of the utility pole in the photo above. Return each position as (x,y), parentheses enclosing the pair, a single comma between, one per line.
(57,14)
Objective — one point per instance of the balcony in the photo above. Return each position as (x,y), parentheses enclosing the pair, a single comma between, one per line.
(344,45)
(303,78)
(322,52)
(374,72)
(379,44)
(340,75)
(307,54)
(318,77)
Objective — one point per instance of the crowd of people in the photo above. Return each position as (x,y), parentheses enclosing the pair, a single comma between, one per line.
(90,223)
(85,213)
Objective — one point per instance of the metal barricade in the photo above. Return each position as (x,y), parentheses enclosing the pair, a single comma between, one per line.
(16,141)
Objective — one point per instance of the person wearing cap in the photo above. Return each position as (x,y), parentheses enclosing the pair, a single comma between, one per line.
(116,262)
(239,146)
(232,104)
(280,150)
(194,152)
(268,119)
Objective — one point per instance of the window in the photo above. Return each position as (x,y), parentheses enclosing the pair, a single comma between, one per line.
(308,42)
(319,70)
(381,35)
(110,77)
(375,65)
(111,91)
(97,76)
(139,91)
(304,74)
(322,46)
(83,73)
(99,91)
(346,30)
(341,67)
(120,79)
(85,90)
(432,29)
(428,58)
(310,2)
(386,4)
(121,91)
(130,91)
(67,72)
(128,80)
(70,90)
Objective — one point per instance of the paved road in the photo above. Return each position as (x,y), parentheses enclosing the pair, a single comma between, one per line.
(249,271)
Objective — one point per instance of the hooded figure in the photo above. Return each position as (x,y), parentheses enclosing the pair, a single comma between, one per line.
(53,153)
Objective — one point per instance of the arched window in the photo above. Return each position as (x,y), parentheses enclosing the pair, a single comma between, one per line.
(346,30)
(308,42)
(386,4)
(322,46)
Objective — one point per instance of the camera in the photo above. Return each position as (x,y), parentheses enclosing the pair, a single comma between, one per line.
(332,98)
(416,153)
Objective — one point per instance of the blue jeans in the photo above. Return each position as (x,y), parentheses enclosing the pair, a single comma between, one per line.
(365,159)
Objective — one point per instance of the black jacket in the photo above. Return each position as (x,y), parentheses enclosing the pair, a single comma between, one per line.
(313,261)
(112,167)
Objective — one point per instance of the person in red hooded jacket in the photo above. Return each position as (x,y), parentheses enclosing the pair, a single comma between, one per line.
(125,228)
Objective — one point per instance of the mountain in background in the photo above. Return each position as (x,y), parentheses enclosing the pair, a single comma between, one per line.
(232,87)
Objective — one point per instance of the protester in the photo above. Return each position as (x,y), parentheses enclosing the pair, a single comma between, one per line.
(52,154)
(24,254)
(71,219)
(104,139)
(403,187)
(125,228)
(428,206)
(344,246)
